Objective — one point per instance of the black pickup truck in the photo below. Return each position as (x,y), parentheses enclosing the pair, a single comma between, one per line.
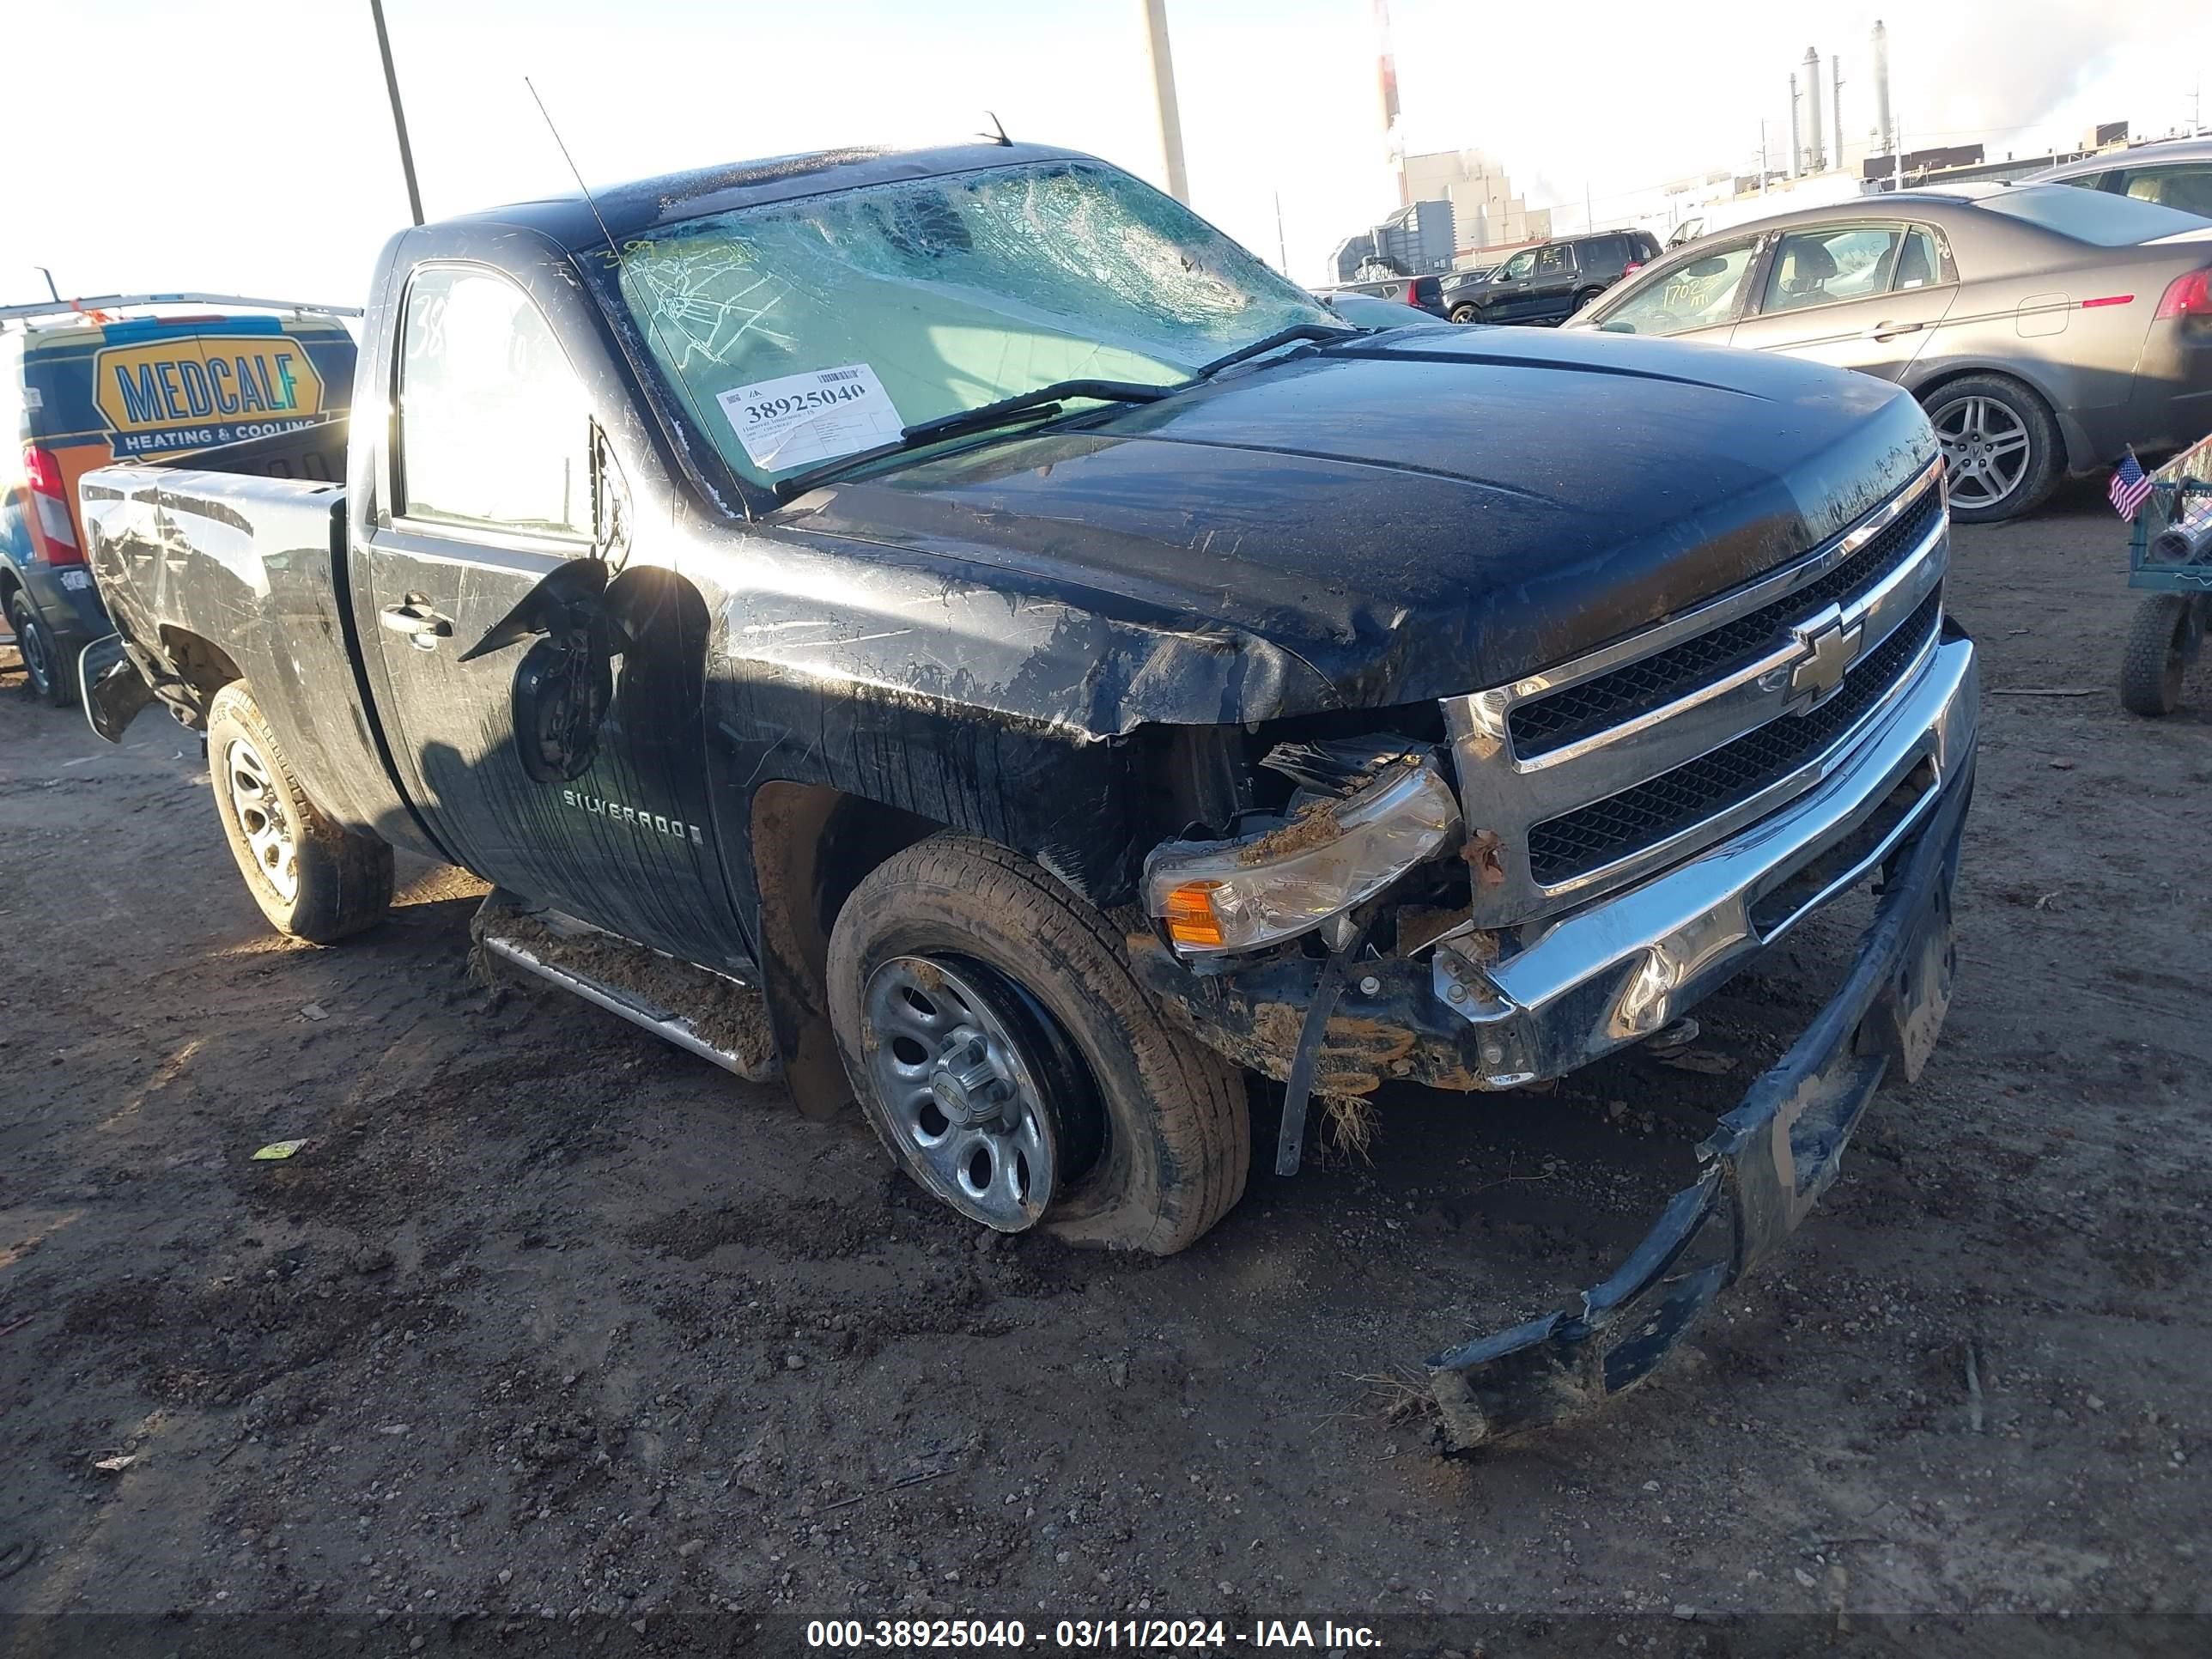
(963,608)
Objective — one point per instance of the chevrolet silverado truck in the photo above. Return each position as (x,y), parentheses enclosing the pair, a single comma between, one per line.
(954,629)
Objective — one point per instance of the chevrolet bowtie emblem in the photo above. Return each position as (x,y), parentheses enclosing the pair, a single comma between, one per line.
(1830,648)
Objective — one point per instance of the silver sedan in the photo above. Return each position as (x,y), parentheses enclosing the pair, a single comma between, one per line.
(2045,329)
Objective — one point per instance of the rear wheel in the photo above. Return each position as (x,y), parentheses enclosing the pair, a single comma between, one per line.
(1006,1056)
(2163,640)
(314,879)
(1586,299)
(46,676)
(2000,447)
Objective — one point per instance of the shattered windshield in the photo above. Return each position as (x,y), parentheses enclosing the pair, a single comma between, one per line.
(808,330)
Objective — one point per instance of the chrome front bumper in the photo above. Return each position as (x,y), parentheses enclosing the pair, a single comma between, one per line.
(1454,1016)
(1627,965)
(1759,1173)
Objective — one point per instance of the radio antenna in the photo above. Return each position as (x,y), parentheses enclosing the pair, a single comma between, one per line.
(614,253)
(560,144)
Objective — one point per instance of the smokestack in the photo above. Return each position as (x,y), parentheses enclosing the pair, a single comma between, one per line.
(1814,162)
(1164,96)
(1386,69)
(1888,137)
(1836,105)
(1797,138)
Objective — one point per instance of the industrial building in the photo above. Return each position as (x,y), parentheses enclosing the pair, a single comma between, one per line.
(1458,202)
(1485,210)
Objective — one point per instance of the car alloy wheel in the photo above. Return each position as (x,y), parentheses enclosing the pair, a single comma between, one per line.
(264,816)
(964,1087)
(1986,450)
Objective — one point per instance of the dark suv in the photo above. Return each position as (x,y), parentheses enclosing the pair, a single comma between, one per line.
(1550,282)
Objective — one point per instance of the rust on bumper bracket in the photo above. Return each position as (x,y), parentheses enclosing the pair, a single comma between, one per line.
(1762,1168)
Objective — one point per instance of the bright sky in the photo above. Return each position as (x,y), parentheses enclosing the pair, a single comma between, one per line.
(246,145)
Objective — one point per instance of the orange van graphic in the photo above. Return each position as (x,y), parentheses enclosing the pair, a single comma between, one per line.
(204,389)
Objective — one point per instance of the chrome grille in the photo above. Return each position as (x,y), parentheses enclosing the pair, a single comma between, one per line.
(1654,811)
(1547,723)
(1597,773)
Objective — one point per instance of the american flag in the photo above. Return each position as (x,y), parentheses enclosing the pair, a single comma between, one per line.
(2130,487)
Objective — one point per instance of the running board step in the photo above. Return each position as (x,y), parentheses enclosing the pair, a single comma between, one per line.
(716,1018)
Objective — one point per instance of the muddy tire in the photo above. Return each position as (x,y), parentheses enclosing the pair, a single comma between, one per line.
(314,879)
(2162,641)
(1146,1129)
(46,677)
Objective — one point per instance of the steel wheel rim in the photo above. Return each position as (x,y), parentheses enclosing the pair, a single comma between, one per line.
(264,817)
(959,1092)
(1985,450)
(31,646)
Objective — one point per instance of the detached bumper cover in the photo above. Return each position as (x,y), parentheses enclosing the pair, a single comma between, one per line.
(1761,1170)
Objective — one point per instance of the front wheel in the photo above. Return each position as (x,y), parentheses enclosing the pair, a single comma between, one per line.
(2000,447)
(1005,1053)
(1465,314)
(46,676)
(314,879)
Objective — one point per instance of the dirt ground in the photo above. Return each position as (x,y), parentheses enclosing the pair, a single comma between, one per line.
(554,1334)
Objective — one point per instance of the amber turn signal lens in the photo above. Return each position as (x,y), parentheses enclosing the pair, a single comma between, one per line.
(1190,917)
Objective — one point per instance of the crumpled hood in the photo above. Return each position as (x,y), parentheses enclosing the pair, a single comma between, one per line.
(1423,513)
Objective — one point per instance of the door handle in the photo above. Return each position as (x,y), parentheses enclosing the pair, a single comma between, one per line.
(1891,331)
(422,626)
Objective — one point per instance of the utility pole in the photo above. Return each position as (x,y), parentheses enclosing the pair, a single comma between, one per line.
(1282,247)
(1762,158)
(1589,219)
(1164,96)
(399,115)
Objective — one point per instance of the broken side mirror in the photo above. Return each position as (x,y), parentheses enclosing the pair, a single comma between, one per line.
(564,684)
(610,502)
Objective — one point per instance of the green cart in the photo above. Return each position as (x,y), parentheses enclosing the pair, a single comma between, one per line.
(2170,558)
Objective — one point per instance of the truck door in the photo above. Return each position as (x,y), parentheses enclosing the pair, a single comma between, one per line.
(489,548)
(1857,296)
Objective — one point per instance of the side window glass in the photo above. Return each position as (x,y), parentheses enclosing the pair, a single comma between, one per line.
(1554,262)
(1518,266)
(1820,267)
(494,427)
(1919,264)
(2185,187)
(1696,293)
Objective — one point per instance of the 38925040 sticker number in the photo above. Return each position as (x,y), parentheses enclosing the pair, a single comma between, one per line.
(816,397)
(797,419)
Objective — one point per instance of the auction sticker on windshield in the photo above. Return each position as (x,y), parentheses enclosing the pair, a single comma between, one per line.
(815,416)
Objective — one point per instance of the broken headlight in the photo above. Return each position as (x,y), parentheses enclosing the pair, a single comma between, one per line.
(1239,895)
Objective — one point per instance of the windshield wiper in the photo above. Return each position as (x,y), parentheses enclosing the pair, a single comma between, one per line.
(1041,404)
(1281,337)
(1044,403)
